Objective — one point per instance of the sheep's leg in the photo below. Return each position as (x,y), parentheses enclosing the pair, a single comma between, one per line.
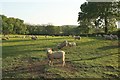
(63,61)
(49,62)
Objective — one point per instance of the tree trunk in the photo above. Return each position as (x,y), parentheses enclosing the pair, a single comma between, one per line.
(106,25)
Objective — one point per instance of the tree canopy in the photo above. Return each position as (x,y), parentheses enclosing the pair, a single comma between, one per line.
(98,13)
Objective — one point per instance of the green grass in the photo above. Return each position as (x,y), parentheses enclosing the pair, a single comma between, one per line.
(91,58)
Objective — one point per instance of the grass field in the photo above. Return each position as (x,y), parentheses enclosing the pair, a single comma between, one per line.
(93,57)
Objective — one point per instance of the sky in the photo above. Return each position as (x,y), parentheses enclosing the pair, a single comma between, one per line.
(56,12)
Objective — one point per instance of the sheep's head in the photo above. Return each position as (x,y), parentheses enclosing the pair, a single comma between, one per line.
(49,51)
(66,43)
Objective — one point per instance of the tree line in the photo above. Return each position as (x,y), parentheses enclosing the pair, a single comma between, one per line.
(11,25)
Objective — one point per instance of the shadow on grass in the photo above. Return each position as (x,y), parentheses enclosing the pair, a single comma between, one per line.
(87,43)
(37,68)
(95,57)
(22,49)
(22,40)
(109,47)
(51,38)
(18,40)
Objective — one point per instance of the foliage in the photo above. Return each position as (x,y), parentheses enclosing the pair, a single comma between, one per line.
(98,13)
(12,25)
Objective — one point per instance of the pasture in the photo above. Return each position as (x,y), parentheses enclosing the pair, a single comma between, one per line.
(93,57)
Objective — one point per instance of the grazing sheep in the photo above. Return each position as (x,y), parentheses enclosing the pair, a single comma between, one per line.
(114,36)
(70,44)
(55,55)
(99,35)
(63,44)
(107,37)
(34,37)
(5,38)
(77,37)
(96,35)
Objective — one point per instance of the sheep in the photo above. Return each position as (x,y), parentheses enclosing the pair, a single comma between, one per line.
(99,35)
(51,55)
(77,37)
(5,38)
(114,36)
(34,37)
(63,44)
(107,37)
(70,44)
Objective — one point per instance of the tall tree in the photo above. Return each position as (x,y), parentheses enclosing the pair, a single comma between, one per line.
(102,10)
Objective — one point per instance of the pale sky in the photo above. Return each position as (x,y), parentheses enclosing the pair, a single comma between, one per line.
(56,12)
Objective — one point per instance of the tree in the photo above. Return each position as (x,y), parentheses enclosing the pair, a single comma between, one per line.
(6,28)
(13,25)
(98,11)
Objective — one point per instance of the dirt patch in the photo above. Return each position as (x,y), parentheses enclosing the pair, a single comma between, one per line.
(38,69)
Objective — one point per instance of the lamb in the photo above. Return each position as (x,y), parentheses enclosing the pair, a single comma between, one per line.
(63,44)
(55,55)
(77,37)
(70,44)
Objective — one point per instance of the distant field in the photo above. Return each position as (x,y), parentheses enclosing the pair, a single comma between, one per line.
(93,57)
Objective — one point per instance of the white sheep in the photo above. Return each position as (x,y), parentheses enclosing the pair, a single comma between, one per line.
(63,44)
(77,37)
(33,37)
(55,55)
(71,44)
(99,35)
(107,37)
(114,36)
(5,38)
